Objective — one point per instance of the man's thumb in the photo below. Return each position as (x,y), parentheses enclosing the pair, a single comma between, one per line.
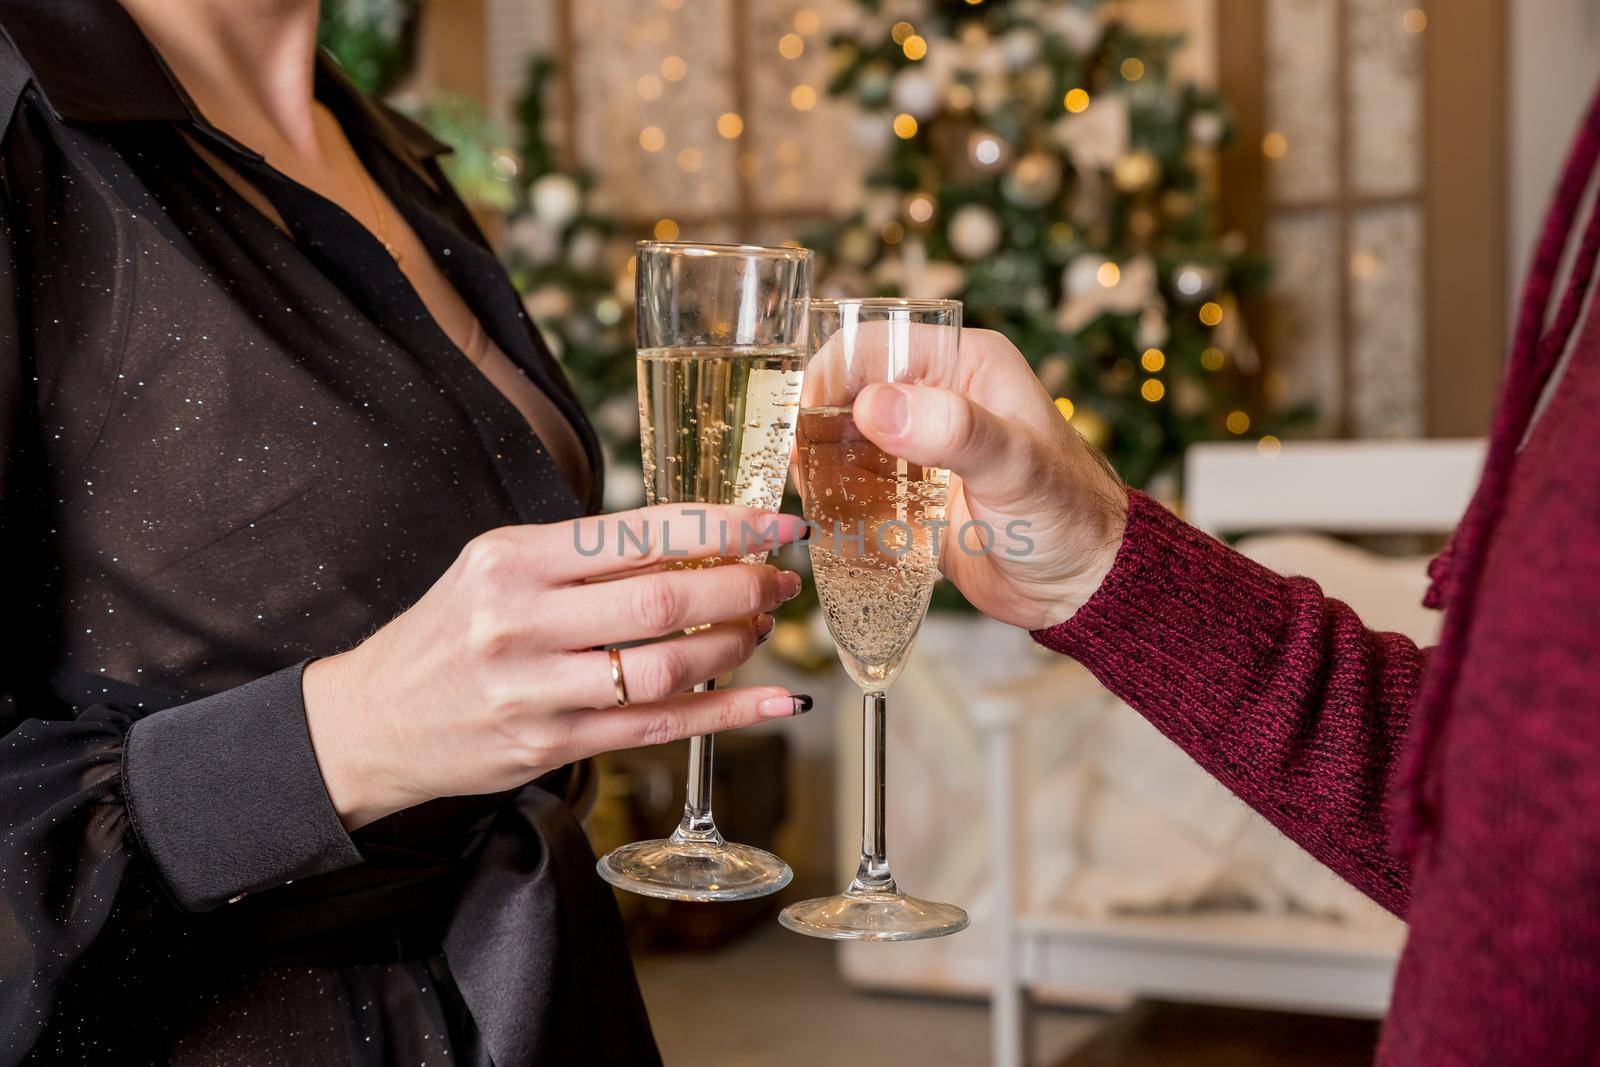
(938,428)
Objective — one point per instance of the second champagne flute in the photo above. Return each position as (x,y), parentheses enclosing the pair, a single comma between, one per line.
(720,363)
(875,545)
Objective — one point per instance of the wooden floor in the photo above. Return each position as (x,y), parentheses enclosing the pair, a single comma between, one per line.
(1184,1035)
(774,999)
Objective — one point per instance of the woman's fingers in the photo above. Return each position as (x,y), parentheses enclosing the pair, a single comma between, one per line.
(642,606)
(664,669)
(585,549)
(604,729)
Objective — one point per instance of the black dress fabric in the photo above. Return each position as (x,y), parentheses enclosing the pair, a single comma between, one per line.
(226,450)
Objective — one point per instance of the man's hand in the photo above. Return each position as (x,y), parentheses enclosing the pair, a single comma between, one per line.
(1019,468)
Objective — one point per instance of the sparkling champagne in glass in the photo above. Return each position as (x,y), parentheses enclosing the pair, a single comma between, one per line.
(720,369)
(878,527)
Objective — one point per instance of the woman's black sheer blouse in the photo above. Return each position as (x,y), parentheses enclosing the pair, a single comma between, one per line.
(224,450)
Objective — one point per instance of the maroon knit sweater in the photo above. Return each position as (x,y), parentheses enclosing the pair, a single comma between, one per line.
(1459,787)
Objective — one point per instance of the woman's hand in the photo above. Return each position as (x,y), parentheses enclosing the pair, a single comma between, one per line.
(493,677)
(1056,508)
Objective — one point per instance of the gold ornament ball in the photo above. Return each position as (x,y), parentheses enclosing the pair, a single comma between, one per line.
(1136,172)
(1034,180)
(1178,204)
(1091,427)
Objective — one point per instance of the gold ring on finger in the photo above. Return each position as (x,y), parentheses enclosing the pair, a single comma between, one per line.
(617,680)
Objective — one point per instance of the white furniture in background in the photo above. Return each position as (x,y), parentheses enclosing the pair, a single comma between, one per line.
(1238,958)
(1342,487)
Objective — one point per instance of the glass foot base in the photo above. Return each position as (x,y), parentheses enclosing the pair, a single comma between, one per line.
(694,870)
(873,915)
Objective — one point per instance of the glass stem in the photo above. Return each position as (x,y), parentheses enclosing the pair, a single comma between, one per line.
(873,875)
(697,826)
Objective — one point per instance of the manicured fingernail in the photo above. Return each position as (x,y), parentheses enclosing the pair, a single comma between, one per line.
(783,707)
(764,624)
(888,408)
(788,585)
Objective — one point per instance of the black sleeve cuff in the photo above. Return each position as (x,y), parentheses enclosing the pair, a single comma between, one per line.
(226,796)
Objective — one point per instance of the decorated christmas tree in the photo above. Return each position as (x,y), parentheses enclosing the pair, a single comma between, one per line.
(1042,162)
(569,261)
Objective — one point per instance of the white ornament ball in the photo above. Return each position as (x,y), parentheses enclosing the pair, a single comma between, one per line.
(915,93)
(1082,275)
(1081,28)
(1020,48)
(974,231)
(872,133)
(585,249)
(986,150)
(1193,281)
(608,311)
(1206,127)
(534,238)
(556,198)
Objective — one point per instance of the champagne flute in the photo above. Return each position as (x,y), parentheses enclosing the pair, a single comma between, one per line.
(875,543)
(720,363)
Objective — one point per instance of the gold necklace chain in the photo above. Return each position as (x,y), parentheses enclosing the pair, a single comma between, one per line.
(370,187)
(476,343)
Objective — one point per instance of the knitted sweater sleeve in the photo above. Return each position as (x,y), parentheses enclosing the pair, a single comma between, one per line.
(1278,691)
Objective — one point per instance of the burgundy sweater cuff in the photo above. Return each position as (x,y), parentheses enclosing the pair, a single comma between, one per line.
(1180,616)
